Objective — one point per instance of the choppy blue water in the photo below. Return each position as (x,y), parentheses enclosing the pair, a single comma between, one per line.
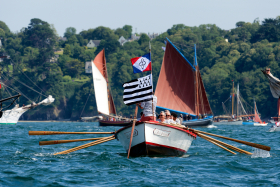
(24,163)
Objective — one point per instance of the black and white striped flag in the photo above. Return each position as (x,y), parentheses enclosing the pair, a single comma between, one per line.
(138,90)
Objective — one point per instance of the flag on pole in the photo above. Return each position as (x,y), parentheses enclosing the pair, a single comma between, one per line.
(141,64)
(138,90)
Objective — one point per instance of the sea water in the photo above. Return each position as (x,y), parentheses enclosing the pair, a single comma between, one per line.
(24,163)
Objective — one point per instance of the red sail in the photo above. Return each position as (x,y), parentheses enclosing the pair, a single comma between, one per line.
(257,117)
(204,106)
(175,88)
(176,84)
(100,63)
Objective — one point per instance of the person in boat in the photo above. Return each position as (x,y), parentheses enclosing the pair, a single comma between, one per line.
(168,117)
(149,113)
(181,118)
(188,117)
(175,119)
(162,116)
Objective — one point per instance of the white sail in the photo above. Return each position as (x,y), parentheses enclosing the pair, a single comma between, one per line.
(101,90)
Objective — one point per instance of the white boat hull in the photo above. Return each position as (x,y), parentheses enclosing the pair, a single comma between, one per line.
(155,139)
(226,122)
(260,124)
(11,117)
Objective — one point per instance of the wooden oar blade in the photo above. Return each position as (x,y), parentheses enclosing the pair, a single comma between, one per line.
(219,145)
(58,132)
(52,142)
(87,145)
(226,145)
(259,146)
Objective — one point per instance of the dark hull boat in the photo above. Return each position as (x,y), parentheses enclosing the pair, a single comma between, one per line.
(199,122)
(180,88)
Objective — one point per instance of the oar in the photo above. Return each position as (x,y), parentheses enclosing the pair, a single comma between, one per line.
(57,132)
(264,147)
(226,145)
(132,131)
(51,142)
(219,145)
(87,145)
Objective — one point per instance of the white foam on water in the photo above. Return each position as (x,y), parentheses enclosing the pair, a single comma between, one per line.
(259,153)
(212,126)
(272,129)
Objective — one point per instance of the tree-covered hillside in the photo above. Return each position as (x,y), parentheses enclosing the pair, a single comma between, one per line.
(223,55)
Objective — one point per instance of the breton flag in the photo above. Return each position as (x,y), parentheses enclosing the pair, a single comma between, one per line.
(138,90)
(141,64)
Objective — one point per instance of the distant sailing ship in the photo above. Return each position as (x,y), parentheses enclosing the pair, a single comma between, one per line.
(11,117)
(237,109)
(180,88)
(103,96)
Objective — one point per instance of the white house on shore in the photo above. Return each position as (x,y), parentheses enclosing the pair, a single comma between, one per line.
(93,43)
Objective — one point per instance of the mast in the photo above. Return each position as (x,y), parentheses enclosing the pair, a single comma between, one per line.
(237,100)
(106,77)
(196,85)
(232,107)
(150,49)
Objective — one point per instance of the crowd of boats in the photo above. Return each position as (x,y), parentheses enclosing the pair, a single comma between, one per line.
(180,81)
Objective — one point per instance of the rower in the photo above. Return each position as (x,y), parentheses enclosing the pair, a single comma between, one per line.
(148,112)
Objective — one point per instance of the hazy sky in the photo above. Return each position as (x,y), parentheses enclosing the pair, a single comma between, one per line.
(145,15)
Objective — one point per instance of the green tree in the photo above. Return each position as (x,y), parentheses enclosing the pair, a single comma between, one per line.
(2,33)
(4,27)
(70,31)
(67,50)
(144,38)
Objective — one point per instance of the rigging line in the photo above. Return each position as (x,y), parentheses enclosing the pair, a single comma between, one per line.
(11,103)
(18,92)
(227,100)
(85,105)
(9,93)
(28,77)
(27,86)
(200,93)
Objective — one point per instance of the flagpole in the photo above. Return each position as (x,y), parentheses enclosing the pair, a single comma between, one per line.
(150,49)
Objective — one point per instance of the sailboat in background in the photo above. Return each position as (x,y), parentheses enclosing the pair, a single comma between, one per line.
(104,100)
(11,117)
(257,120)
(180,88)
